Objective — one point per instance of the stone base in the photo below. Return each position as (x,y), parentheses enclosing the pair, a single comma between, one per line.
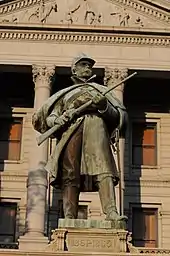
(32,243)
(85,238)
(82,223)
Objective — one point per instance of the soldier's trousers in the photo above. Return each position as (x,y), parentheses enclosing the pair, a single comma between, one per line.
(71,162)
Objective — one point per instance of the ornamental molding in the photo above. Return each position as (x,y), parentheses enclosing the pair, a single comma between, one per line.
(17,5)
(85,38)
(154,251)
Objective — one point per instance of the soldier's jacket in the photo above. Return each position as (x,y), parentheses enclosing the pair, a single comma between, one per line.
(96,157)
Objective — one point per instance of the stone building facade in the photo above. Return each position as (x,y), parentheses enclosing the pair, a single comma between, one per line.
(38,39)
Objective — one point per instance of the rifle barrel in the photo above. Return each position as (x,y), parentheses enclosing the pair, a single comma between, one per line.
(116,85)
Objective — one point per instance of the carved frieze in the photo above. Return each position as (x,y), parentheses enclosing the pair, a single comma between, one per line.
(84,12)
(42,12)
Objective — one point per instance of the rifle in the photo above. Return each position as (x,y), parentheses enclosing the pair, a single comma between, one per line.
(71,113)
(76,112)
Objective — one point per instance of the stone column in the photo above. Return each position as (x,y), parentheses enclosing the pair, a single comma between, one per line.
(113,76)
(34,238)
(42,79)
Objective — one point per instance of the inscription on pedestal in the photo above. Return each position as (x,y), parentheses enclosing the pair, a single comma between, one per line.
(92,244)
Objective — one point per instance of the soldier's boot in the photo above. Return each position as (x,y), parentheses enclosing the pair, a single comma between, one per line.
(108,198)
(70,202)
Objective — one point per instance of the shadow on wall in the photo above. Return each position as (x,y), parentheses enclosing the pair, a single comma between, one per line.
(13,95)
(10,151)
(5,133)
(133,151)
(148,92)
(134,157)
(5,129)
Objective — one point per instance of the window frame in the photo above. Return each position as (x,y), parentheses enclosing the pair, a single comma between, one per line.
(15,228)
(8,141)
(156,122)
(144,239)
(145,145)
(16,113)
(148,205)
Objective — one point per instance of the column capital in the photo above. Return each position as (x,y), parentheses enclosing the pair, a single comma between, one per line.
(114,75)
(42,73)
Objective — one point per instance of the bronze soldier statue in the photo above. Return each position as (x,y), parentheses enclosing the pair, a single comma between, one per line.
(83,146)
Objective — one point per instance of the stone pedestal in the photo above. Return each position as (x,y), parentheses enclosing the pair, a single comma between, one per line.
(80,236)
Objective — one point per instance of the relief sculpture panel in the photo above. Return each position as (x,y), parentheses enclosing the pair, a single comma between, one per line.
(80,12)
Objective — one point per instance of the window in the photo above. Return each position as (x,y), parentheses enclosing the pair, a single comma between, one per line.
(8,213)
(144,227)
(10,138)
(144,148)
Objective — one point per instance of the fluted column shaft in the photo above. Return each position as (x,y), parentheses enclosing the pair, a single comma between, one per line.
(113,76)
(37,176)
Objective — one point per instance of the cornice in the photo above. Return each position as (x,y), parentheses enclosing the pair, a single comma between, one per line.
(17,5)
(146,9)
(163,4)
(85,37)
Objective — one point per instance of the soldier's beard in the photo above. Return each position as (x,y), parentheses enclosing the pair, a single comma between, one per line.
(85,73)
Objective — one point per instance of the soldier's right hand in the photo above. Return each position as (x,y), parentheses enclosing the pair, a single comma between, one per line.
(62,120)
